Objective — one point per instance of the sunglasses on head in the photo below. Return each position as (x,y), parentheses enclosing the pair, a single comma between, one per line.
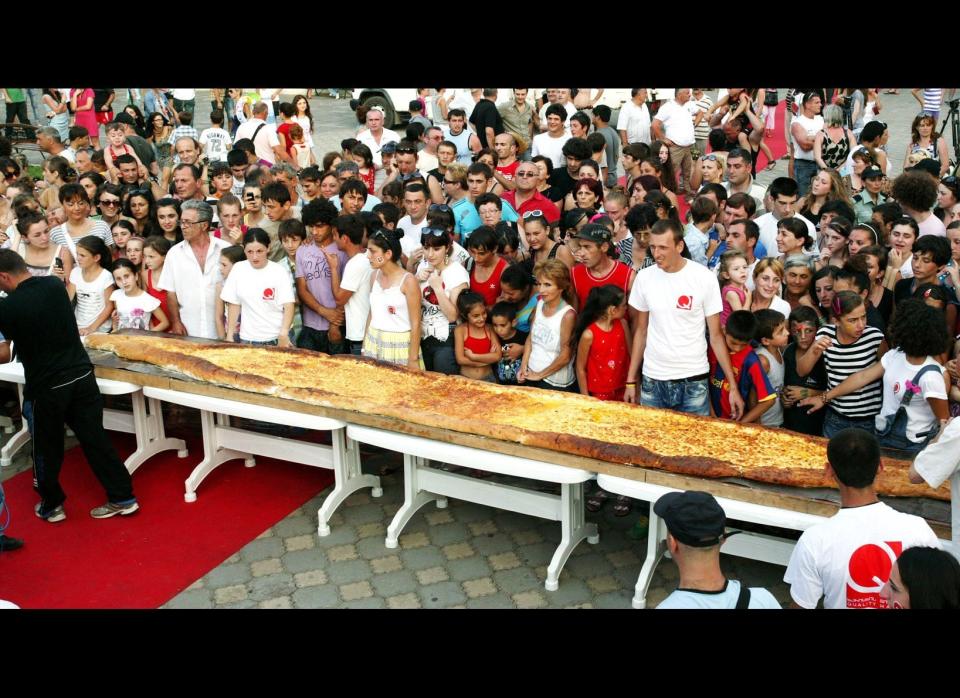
(950,181)
(530,214)
(408,149)
(433,232)
(439,207)
(711,156)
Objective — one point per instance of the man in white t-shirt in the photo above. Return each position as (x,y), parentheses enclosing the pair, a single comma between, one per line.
(696,528)
(633,123)
(556,95)
(266,143)
(940,460)
(847,559)
(215,141)
(676,301)
(550,143)
(415,200)
(803,131)
(784,193)
(673,125)
(351,285)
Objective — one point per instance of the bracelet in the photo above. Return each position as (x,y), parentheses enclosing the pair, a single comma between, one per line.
(629,383)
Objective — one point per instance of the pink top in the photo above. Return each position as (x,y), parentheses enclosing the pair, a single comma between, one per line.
(727,308)
(87,119)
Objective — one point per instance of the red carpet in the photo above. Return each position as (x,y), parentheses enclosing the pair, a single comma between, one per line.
(143,560)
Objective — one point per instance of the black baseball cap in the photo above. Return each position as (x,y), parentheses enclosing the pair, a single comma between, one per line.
(595,233)
(693,518)
(871,172)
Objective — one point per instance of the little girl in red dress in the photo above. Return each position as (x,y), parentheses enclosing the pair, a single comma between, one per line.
(602,341)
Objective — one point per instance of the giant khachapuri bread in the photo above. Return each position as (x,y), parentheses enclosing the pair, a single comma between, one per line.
(576,424)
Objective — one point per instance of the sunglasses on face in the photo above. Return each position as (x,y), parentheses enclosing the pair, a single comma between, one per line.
(527,174)
(109,202)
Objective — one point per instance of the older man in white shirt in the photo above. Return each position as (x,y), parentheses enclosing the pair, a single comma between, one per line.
(191,272)
(674,126)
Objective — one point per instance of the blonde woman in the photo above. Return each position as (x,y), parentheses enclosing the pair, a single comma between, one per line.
(711,167)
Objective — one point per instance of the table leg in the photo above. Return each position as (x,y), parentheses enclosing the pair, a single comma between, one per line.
(656,547)
(149,432)
(574,528)
(213,456)
(413,499)
(348,478)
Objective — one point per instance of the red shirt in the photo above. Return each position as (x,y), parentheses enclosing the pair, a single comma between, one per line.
(538,201)
(584,281)
(608,361)
(159,294)
(489,289)
(218,233)
(509,171)
(285,130)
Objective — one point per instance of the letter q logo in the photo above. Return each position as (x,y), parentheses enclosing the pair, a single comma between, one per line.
(268,294)
(685,302)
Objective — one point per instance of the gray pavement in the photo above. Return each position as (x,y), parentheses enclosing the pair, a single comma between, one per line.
(465,556)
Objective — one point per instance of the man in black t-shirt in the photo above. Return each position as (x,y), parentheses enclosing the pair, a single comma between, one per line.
(60,387)
(563,179)
(486,118)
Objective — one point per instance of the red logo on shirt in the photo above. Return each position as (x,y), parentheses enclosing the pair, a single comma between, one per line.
(867,572)
(896,388)
(685,302)
(268,294)
(392,309)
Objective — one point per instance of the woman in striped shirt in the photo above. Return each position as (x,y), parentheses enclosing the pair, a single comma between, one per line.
(848,346)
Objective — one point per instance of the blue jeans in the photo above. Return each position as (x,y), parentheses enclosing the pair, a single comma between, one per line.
(803,172)
(318,340)
(687,396)
(833,422)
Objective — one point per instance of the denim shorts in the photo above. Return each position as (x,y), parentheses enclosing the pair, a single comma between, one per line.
(688,396)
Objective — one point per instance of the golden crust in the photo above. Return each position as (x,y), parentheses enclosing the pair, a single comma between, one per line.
(563,422)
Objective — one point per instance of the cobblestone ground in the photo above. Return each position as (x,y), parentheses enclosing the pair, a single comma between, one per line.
(465,556)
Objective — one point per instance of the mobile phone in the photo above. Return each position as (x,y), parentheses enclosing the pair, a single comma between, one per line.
(58,263)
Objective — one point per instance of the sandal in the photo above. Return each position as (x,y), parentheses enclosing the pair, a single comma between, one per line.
(622,506)
(596,501)
(770,166)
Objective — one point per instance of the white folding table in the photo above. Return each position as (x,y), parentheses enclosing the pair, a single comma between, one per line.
(423,484)
(222,443)
(754,546)
(146,426)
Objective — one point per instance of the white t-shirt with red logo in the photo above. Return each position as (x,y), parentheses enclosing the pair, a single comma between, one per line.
(847,559)
(679,304)
(261,294)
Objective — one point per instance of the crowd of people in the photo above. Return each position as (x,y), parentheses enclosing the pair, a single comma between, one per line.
(502,244)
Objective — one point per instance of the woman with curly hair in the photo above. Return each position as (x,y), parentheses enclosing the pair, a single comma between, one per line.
(912,379)
(826,185)
(923,139)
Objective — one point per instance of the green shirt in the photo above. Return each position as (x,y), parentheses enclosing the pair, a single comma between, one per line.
(14,94)
(863,205)
(514,121)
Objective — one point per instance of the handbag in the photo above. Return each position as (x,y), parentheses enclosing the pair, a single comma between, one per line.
(896,424)
(771,98)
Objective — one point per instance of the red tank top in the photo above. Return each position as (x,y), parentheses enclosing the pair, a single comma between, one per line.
(369,180)
(159,295)
(489,289)
(584,281)
(481,345)
(608,360)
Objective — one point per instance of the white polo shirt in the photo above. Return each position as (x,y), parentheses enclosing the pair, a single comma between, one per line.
(196,288)
(677,123)
(368,140)
(635,121)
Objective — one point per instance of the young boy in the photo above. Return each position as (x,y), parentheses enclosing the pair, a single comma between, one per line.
(238,162)
(772,336)
(215,141)
(292,234)
(301,152)
(230,212)
(752,382)
(392,193)
(79,138)
(184,130)
(503,316)
(278,207)
(931,254)
(351,284)
(804,323)
(221,180)
(117,146)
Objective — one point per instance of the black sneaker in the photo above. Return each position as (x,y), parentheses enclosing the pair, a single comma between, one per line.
(7,543)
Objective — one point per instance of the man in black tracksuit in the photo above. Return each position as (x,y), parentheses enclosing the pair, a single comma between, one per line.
(60,385)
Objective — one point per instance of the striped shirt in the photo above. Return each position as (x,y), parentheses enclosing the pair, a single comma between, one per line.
(61,236)
(932,97)
(843,360)
(702,130)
